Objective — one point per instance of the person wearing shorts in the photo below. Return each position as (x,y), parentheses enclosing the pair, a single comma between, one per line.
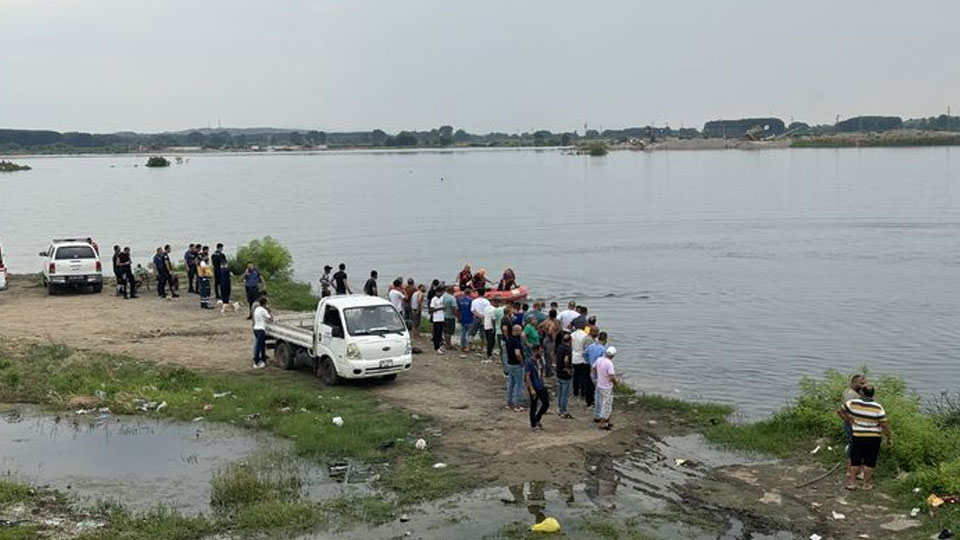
(449,316)
(869,423)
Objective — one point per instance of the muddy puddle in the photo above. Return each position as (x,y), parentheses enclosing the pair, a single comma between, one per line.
(141,462)
(641,492)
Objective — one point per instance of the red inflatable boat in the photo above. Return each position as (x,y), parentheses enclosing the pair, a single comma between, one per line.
(520,293)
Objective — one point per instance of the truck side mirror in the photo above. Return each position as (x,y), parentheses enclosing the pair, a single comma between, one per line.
(336,332)
(44,254)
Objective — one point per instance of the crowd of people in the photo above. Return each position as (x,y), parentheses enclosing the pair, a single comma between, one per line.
(535,345)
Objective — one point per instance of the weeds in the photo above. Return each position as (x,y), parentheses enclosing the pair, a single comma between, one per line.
(12,492)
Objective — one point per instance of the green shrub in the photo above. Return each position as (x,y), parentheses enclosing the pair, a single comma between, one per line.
(595,148)
(158,161)
(269,255)
(293,295)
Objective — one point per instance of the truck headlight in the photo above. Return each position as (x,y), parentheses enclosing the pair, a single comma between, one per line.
(353,351)
(408,349)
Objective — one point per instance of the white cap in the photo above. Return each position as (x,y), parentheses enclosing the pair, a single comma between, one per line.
(611,351)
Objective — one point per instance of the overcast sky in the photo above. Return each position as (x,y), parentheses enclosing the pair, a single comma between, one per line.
(507,65)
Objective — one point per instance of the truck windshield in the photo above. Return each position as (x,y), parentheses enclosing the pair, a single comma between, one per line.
(362,321)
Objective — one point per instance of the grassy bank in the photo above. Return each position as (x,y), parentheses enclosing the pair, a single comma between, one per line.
(925,456)
(876,141)
(259,495)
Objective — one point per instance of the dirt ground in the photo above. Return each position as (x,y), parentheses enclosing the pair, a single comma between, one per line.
(465,396)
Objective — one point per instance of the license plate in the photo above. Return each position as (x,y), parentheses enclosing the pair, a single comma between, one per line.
(386,363)
(76,278)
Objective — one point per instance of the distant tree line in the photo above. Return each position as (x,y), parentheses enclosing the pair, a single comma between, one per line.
(45,141)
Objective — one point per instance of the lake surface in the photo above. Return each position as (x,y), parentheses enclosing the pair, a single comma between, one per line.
(720,275)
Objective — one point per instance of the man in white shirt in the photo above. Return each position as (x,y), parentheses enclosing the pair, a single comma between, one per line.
(479,308)
(261,314)
(489,324)
(436,316)
(397,296)
(567,316)
(581,369)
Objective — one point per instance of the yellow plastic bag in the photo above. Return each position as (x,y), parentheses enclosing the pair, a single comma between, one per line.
(549,525)
(934,501)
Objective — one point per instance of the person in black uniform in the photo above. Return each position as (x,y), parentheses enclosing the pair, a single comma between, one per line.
(218,260)
(118,272)
(126,270)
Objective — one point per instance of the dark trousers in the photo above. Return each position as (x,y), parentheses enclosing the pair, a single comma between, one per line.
(252,294)
(216,281)
(224,290)
(131,289)
(192,278)
(535,414)
(581,373)
(259,346)
(162,279)
(490,336)
(437,334)
(203,285)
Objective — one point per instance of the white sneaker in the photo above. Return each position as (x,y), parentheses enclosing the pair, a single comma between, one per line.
(260,365)
(439,351)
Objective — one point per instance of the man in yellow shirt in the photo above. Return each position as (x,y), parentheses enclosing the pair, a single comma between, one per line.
(869,423)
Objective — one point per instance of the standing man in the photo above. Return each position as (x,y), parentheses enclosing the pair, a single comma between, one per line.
(252,279)
(172,280)
(370,287)
(568,315)
(449,316)
(225,285)
(416,309)
(513,366)
(550,330)
(478,307)
(581,371)
(490,316)
(436,316)
(591,354)
(161,270)
(606,379)
(536,389)
(531,338)
(396,296)
(851,393)
(408,299)
(219,260)
(340,281)
(564,375)
(118,272)
(204,275)
(190,260)
(261,314)
(869,422)
(126,273)
(325,281)
(466,316)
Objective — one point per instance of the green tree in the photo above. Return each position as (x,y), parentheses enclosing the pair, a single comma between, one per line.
(270,256)
(378,137)
(446,135)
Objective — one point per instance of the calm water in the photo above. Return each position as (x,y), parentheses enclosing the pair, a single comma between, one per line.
(720,275)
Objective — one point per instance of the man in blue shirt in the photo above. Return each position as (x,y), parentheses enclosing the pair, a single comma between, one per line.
(251,282)
(591,354)
(465,315)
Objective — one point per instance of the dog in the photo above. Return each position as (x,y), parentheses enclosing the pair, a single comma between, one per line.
(235,307)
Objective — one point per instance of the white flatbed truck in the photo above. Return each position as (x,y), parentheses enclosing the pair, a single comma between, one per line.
(349,337)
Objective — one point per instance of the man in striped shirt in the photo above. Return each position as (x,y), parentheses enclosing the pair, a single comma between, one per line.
(868,421)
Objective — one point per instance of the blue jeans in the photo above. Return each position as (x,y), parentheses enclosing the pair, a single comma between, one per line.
(464,334)
(563,394)
(259,346)
(514,384)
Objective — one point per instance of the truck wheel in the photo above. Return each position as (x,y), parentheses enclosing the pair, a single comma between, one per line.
(328,372)
(283,356)
(390,377)
(51,289)
(98,288)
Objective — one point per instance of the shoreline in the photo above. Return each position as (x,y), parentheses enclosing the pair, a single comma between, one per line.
(459,395)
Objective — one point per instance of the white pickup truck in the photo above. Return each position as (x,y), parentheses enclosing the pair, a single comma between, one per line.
(71,262)
(349,337)
(3,270)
